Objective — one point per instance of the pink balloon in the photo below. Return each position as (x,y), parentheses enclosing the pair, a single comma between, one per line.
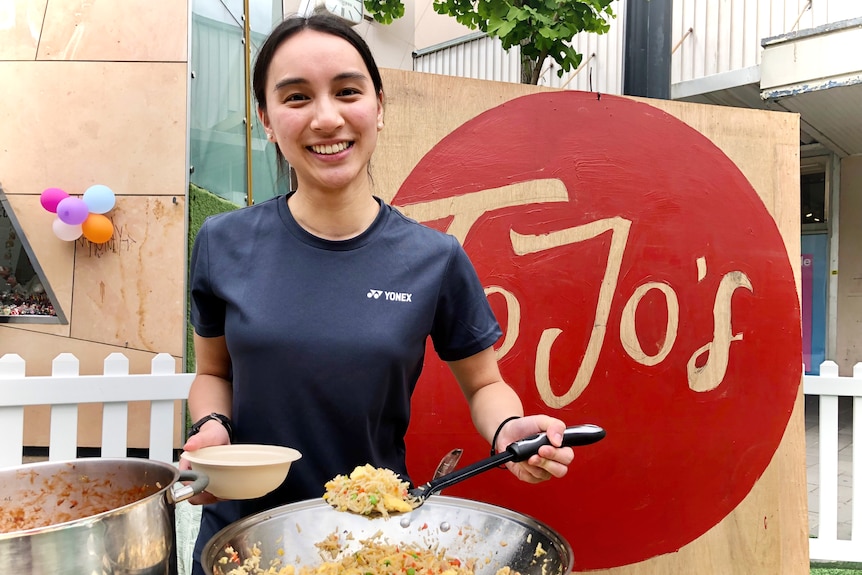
(51,197)
(72,211)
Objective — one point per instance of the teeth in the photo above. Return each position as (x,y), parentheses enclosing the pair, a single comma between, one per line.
(333,149)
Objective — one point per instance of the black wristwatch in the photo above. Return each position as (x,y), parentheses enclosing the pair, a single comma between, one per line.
(223,419)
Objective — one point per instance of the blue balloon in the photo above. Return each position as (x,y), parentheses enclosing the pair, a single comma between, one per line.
(99,199)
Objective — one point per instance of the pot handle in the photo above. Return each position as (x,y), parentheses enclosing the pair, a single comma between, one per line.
(199,482)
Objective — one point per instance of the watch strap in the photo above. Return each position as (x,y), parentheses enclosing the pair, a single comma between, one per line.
(223,419)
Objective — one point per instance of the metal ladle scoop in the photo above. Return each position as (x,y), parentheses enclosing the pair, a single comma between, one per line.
(521,450)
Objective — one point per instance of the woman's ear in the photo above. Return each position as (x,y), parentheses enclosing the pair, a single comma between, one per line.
(380,99)
(264,120)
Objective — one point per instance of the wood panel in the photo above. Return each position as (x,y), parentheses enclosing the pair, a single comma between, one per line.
(765,530)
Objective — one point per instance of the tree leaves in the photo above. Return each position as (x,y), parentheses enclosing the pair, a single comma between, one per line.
(541,28)
(384,11)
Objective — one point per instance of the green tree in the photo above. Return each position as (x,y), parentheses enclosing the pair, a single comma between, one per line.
(541,28)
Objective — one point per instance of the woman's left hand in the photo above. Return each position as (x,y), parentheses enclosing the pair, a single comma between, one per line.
(551,460)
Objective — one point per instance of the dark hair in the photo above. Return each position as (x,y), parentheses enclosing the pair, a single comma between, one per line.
(319,22)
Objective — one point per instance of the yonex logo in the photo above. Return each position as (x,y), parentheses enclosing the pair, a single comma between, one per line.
(389,295)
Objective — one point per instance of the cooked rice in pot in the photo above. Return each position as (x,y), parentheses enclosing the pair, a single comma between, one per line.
(373,558)
(366,491)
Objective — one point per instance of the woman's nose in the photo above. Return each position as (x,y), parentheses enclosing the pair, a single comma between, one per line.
(327,116)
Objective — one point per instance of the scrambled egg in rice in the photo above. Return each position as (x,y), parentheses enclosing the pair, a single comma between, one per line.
(369,491)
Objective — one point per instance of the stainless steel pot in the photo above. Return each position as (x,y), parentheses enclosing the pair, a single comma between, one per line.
(93,515)
(494,536)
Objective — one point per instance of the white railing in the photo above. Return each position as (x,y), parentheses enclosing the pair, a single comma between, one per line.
(829,386)
(65,389)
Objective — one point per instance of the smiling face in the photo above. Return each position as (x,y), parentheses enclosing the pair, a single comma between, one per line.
(322,111)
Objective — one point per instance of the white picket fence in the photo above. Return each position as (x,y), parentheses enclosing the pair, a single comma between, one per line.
(829,386)
(65,389)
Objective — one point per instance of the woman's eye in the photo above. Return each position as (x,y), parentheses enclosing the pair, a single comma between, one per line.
(349,92)
(295,98)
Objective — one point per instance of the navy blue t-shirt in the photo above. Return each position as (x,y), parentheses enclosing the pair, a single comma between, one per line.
(327,338)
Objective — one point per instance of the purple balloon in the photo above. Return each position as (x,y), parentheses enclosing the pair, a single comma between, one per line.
(51,197)
(72,211)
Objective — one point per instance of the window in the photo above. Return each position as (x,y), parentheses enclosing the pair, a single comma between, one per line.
(813,195)
(25,296)
(814,204)
(219,153)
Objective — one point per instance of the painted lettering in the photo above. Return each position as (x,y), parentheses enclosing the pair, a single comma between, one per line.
(513,313)
(628,329)
(708,376)
(467,208)
(525,244)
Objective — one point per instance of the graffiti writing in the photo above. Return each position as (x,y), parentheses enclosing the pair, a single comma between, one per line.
(121,241)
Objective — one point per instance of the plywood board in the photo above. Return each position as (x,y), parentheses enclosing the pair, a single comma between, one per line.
(706,199)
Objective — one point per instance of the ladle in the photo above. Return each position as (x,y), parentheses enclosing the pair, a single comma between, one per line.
(521,450)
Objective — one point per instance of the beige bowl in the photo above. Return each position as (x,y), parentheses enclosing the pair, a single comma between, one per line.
(242,471)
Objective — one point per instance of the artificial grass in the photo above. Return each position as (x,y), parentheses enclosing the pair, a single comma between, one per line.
(202,204)
(836,568)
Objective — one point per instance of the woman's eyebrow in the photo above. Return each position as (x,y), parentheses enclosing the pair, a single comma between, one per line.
(284,82)
(289,82)
(350,76)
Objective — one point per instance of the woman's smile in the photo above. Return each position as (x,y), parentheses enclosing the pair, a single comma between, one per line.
(330,149)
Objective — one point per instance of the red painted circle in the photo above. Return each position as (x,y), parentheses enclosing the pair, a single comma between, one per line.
(675,460)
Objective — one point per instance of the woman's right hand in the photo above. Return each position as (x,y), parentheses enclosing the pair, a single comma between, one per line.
(211,433)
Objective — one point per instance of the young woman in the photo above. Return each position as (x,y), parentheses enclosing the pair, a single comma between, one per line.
(292,347)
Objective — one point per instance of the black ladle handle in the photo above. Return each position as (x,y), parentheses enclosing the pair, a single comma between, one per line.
(518,451)
(572,437)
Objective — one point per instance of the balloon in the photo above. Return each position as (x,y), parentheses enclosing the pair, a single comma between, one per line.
(51,197)
(72,211)
(99,199)
(66,232)
(97,228)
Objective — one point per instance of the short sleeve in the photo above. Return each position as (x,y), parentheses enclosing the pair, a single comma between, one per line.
(207,309)
(464,323)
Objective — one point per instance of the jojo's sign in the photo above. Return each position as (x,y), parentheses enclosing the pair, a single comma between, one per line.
(642,286)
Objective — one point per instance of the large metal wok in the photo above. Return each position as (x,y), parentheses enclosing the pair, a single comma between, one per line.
(494,536)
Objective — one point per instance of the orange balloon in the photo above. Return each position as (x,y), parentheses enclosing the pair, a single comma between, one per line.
(97,228)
